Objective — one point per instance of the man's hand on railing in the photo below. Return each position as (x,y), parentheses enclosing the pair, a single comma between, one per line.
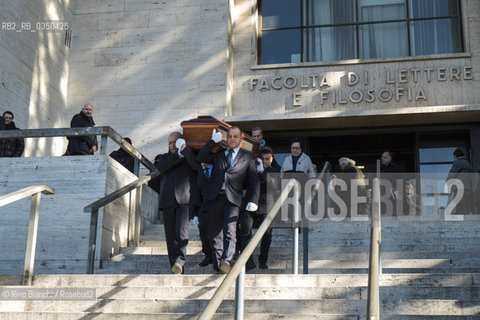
(94,149)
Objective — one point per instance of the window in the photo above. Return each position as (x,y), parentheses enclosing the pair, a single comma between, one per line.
(326,30)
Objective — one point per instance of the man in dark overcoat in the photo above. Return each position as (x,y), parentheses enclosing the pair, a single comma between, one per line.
(178,196)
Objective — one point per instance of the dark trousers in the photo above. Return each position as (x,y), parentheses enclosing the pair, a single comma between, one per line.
(249,220)
(222,228)
(203,230)
(175,222)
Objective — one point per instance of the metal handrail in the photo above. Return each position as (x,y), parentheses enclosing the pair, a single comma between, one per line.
(105,132)
(35,192)
(374,263)
(95,206)
(239,265)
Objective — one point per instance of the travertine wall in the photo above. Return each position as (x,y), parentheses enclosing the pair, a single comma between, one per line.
(408,85)
(148,65)
(63,231)
(34,67)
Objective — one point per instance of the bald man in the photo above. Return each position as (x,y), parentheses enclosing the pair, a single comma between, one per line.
(234,170)
(83,145)
(179,195)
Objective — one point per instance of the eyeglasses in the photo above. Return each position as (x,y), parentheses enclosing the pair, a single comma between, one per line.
(296,148)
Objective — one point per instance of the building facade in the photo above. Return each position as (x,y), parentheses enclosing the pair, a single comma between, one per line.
(359,77)
(351,77)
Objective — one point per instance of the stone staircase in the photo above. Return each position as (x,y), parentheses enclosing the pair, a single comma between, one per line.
(431,270)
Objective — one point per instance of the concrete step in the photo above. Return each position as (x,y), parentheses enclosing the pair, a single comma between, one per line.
(217,316)
(170,280)
(467,293)
(362,238)
(251,280)
(165,316)
(153,305)
(286,307)
(472,250)
(388,258)
(340,271)
(155,261)
(255,292)
(276,254)
(429,317)
(44,266)
(388,223)
(321,297)
(387,233)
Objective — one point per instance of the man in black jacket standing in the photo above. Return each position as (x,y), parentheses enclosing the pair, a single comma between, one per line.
(11,147)
(178,196)
(82,145)
(248,220)
(462,171)
(233,171)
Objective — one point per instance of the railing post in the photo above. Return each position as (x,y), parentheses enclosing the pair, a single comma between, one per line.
(131,217)
(92,241)
(373,299)
(379,221)
(305,248)
(295,219)
(138,214)
(239,298)
(31,240)
(103,145)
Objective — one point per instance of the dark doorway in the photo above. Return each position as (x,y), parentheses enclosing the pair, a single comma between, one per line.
(364,149)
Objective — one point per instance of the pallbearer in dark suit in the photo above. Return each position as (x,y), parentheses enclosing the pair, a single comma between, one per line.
(234,170)
(202,216)
(178,196)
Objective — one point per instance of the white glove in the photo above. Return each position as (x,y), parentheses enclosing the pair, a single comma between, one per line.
(195,220)
(251,207)
(180,144)
(259,166)
(216,136)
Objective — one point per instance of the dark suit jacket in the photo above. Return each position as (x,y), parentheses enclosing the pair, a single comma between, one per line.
(202,181)
(179,178)
(242,175)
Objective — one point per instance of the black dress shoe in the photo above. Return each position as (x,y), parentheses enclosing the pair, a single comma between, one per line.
(262,265)
(250,265)
(205,262)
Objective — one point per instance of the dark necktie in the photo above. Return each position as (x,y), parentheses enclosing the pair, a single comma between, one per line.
(229,158)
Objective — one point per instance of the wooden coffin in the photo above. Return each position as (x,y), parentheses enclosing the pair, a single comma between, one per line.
(197,132)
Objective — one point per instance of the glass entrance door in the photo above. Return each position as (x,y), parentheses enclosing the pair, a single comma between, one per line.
(435,158)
